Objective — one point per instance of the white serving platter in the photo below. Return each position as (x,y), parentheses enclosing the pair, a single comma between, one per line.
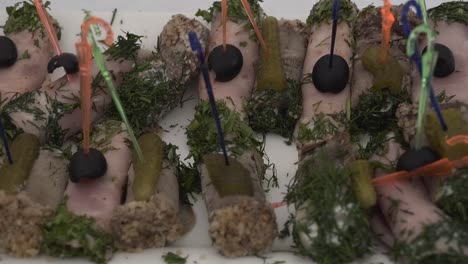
(147,18)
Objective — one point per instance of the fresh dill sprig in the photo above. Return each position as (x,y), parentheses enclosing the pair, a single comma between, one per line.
(322,12)
(23,16)
(148,95)
(323,125)
(271,111)
(452,196)
(125,48)
(451,12)
(236,11)
(422,249)
(172,258)
(374,116)
(203,136)
(329,226)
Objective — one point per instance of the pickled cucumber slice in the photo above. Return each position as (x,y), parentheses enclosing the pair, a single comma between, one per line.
(361,177)
(147,172)
(388,75)
(24,151)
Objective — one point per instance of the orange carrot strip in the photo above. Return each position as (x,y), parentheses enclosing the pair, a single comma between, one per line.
(387,22)
(458,139)
(254,24)
(459,163)
(441,167)
(278,204)
(224,18)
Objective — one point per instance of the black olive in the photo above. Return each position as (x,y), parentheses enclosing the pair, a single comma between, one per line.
(330,79)
(414,159)
(8,52)
(87,166)
(445,61)
(68,61)
(226,64)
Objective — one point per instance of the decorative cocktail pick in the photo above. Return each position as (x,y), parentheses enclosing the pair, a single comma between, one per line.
(99,59)
(250,15)
(195,44)
(387,22)
(429,60)
(5,143)
(49,28)
(417,57)
(331,72)
(224,19)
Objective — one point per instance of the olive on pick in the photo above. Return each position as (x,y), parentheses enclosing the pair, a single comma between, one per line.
(91,165)
(445,61)
(226,63)
(68,61)
(330,79)
(417,158)
(8,52)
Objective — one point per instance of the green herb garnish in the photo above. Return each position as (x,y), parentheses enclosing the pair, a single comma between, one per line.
(276,112)
(171,258)
(451,12)
(452,196)
(236,11)
(422,248)
(322,12)
(330,226)
(374,116)
(323,125)
(187,175)
(125,48)
(203,136)
(114,13)
(148,95)
(69,235)
(26,55)
(23,16)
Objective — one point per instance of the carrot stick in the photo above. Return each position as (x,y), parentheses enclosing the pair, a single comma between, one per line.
(458,139)
(224,18)
(246,5)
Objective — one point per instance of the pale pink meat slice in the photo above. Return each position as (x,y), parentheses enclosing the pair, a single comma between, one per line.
(27,74)
(313,101)
(236,91)
(99,198)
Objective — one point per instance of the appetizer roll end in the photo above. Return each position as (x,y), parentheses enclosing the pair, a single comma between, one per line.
(246,228)
(21,222)
(138,225)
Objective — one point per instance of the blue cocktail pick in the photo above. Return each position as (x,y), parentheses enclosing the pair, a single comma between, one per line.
(196,46)
(336,8)
(5,143)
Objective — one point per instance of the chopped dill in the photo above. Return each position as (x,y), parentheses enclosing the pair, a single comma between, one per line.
(452,196)
(421,249)
(148,95)
(235,11)
(114,13)
(187,175)
(322,12)
(451,12)
(23,16)
(172,258)
(276,112)
(443,98)
(203,136)
(329,226)
(26,55)
(125,48)
(374,116)
(69,235)
(323,125)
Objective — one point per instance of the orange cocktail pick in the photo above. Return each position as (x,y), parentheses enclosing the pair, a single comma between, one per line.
(247,8)
(49,28)
(84,50)
(387,22)
(224,19)
(458,139)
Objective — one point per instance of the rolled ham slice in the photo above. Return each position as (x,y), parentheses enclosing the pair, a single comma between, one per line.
(60,101)
(239,224)
(30,70)
(23,215)
(98,198)
(162,218)
(315,103)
